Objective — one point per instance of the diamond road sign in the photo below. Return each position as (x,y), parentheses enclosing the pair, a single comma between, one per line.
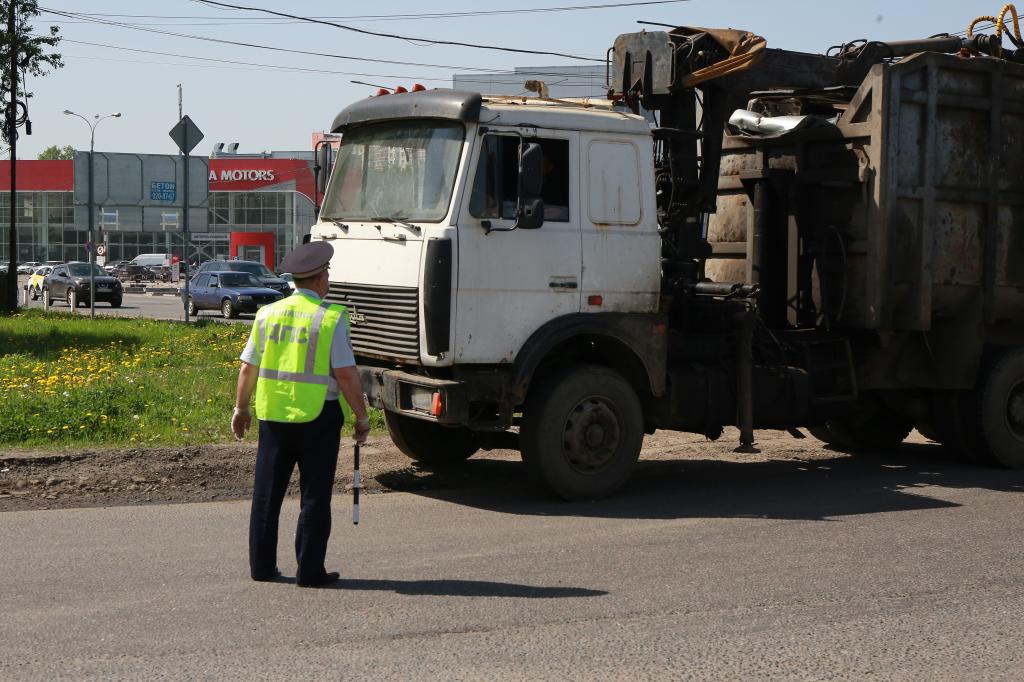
(186,135)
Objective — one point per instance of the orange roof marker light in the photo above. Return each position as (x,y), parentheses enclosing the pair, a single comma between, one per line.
(382,91)
(418,87)
(399,90)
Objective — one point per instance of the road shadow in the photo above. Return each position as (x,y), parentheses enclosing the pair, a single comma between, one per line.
(798,489)
(453,588)
(464,588)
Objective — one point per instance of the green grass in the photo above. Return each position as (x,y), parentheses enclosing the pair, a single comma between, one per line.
(70,380)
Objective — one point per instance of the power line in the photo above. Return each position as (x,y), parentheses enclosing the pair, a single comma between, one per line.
(379,34)
(268,68)
(401,17)
(263,68)
(282,67)
(75,15)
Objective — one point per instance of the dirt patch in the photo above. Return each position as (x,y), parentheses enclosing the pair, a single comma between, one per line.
(34,479)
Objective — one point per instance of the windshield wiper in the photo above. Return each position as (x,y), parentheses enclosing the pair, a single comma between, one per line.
(396,220)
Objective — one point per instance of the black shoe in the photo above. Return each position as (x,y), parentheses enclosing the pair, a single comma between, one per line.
(322,581)
(264,579)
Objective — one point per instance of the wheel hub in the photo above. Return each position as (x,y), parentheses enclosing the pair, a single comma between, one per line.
(591,435)
(1015,410)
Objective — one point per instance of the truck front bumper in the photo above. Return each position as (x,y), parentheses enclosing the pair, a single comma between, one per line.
(437,400)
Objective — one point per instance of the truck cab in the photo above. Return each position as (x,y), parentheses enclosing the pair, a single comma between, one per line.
(480,241)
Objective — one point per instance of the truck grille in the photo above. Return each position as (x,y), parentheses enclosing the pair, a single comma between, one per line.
(384,321)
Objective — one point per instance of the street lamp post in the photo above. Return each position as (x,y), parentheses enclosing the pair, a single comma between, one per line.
(92,211)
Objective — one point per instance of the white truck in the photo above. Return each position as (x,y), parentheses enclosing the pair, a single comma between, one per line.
(560,277)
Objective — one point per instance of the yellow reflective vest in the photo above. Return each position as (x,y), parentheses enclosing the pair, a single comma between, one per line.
(294,336)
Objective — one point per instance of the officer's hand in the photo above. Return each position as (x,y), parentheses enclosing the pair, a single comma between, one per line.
(240,422)
(362,430)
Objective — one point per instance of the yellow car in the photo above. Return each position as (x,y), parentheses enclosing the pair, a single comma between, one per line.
(35,282)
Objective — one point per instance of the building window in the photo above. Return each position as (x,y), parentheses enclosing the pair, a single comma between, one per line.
(220,208)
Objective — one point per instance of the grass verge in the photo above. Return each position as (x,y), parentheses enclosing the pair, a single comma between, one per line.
(67,379)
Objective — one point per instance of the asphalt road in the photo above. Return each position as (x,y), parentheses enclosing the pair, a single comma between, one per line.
(906,567)
(159,307)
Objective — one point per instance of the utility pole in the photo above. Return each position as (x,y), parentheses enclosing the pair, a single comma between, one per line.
(91,246)
(12,134)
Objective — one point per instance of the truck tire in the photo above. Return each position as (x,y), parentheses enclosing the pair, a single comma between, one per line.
(870,429)
(1001,409)
(820,432)
(582,432)
(430,444)
(956,423)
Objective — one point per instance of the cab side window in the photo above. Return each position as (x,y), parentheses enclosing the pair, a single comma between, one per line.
(495,188)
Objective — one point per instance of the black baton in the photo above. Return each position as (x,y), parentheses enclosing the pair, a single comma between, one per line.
(357,484)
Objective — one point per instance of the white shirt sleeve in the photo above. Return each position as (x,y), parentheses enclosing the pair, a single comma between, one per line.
(252,353)
(341,347)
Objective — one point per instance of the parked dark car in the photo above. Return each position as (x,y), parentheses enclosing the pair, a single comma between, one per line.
(230,292)
(129,272)
(74,277)
(115,267)
(257,270)
(161,273)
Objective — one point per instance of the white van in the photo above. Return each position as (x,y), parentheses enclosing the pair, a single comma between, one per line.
(151,259)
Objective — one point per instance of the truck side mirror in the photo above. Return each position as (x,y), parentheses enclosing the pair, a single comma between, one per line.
(322,168)
(530,207)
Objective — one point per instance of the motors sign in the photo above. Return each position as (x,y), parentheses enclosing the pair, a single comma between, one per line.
(256,174)
(242,175)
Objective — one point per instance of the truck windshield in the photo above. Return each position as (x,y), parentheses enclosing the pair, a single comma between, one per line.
(399,170)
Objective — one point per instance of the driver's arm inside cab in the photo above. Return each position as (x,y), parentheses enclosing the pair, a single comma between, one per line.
(495,188)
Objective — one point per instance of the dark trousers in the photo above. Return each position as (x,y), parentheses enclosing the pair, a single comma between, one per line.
(314,447)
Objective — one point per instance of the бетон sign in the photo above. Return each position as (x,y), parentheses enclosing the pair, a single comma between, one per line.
(163,191)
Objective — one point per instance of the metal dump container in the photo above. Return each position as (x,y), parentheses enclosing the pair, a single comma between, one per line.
(909,210)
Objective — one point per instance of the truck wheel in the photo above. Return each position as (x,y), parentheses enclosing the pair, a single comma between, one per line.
(820,432)
(870,429)
(1001,413)
(582,432)
(430,444)
(955,418)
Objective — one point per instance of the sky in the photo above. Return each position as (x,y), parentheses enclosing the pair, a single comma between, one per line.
(265,108)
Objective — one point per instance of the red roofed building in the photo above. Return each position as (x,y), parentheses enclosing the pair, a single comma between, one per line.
(266,193)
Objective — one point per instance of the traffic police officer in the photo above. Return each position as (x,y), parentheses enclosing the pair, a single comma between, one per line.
(297,359)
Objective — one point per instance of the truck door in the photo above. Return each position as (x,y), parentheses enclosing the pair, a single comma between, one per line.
(512,281)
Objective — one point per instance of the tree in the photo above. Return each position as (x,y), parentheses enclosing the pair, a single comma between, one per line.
(34,50)
(55,153)
(31,51)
